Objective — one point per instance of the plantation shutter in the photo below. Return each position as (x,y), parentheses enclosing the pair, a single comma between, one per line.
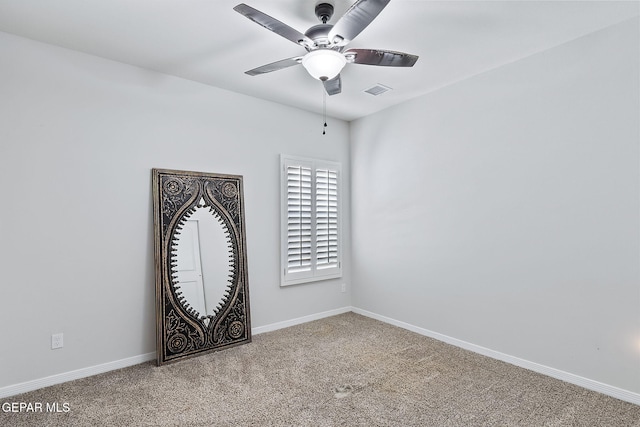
(326,218)
(310,220)
(298,218)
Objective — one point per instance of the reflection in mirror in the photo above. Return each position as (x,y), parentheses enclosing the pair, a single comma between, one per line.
(202,290)
(204,261)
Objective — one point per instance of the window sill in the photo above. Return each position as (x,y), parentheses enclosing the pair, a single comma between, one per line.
(304,280)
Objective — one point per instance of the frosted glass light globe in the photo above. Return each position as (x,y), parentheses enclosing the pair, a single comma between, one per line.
(324,64)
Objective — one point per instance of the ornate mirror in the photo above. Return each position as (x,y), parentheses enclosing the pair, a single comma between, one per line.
(202,295)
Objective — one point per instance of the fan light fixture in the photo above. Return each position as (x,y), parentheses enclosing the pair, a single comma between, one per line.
(324,64)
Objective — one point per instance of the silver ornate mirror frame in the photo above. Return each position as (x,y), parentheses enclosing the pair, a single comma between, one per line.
(183,331)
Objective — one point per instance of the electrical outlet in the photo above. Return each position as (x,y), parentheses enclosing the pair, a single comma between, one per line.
(344,287)
(57,341)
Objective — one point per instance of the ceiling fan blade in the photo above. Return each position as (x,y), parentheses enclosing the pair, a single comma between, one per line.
(275,66)
(274,25)
(356,19)
(333,86)
(385,58)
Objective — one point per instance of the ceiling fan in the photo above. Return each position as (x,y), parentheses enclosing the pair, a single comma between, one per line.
(325,43)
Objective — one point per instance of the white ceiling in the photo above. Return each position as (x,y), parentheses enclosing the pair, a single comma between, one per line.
(208,42)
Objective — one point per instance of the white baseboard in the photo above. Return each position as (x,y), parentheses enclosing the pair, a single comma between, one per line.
(299,320)
(587,383)
(74,375)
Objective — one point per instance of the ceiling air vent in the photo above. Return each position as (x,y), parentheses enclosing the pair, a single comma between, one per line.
(378,89)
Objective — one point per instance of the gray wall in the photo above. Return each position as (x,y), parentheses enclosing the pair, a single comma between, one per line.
(78,138)
(504,210)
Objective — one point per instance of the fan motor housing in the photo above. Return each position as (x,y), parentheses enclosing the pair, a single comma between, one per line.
(319,34)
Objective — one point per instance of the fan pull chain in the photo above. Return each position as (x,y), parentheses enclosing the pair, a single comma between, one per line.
(324,111)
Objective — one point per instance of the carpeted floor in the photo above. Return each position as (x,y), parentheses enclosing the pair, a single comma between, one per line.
(346,370)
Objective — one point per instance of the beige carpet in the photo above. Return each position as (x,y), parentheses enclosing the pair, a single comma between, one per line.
(346,370)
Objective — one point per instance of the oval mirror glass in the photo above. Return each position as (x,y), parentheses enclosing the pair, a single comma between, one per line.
(204,261)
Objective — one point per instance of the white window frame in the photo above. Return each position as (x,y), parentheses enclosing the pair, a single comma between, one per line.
(315,271)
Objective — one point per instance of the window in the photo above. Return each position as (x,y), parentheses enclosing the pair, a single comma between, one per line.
(311,226)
